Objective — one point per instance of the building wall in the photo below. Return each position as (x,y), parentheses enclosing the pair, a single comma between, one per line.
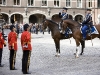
(37,8)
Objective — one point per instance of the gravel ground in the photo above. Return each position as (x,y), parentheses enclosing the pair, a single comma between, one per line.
(44,62)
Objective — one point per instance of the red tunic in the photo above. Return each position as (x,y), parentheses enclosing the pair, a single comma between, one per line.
(26,41)
(2,42)
(12,40)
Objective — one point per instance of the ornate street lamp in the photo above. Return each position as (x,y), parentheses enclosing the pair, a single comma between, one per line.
(26,11)
(9,16)
(49,11)
(73,12)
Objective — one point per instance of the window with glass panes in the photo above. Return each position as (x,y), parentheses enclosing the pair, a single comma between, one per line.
(16,2)
(3,2)
(56,2)
(89,3)
(44,2)
(98,3)
(79,3)
(68,3)
(30,2)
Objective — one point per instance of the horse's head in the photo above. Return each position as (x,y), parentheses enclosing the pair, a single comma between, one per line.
(44,24)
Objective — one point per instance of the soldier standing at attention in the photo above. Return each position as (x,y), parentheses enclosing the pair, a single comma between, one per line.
(26,47)
(12,44)
(2,42)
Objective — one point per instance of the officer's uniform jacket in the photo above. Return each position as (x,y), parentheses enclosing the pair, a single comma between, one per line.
(12,40)
(88,20)
(63,16)
(26,40)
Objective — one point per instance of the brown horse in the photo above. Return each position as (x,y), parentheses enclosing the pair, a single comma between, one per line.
(56,35)
(77,35)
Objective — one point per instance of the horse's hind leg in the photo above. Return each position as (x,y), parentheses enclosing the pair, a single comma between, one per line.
(57,44)
(83,46)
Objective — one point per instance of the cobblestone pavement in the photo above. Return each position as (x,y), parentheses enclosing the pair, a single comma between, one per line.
(44,62)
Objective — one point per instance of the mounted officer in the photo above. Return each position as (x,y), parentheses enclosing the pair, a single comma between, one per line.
(87,23)
(63,15)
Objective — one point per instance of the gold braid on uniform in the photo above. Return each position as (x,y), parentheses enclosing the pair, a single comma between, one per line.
(28,60)
(13,65)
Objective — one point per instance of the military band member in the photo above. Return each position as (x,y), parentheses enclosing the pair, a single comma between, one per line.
(2,42)
(12,44)
(26,47)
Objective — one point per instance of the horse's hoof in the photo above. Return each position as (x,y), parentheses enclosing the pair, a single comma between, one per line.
(74,53)
(76,56)
(81,53)
(57,55)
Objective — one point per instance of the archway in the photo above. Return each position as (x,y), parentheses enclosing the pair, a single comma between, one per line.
(36,18)
(79,18)
(5,17)
(70,16)
(17,17)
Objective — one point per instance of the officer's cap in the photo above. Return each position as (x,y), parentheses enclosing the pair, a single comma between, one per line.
(11,27)
(88,9)
(26,26)
(65,8)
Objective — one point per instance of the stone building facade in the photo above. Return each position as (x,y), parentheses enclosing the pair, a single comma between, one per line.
(34,11)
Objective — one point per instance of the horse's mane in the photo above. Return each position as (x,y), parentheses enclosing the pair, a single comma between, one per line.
(50,21)
(73,22)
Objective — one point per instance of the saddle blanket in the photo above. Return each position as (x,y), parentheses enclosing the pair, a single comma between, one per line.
(68,31)
(93,30)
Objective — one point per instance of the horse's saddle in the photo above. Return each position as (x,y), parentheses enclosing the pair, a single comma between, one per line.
(91,30)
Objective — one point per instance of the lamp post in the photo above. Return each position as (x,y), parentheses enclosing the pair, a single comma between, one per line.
(49,11)
(26,11)
(73,12)
(9,16)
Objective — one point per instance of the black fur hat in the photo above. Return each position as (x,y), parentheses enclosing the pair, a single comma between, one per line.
(11,27)
(26,26)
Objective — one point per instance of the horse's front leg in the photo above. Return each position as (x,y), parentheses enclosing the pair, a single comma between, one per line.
(57,45)
(83,46)
(77,48)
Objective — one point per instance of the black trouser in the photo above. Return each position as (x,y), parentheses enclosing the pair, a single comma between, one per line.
(1,55)
(12,59)
(26,61)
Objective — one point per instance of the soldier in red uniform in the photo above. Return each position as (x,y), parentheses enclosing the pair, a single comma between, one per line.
(12,44)
(2,42)
(26,47)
